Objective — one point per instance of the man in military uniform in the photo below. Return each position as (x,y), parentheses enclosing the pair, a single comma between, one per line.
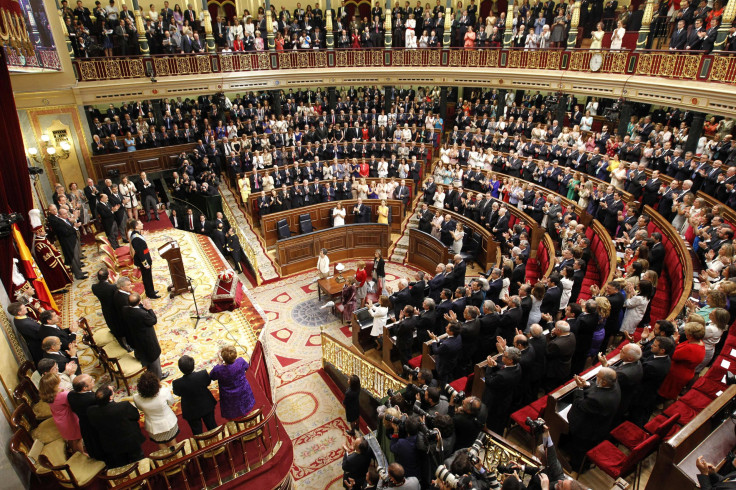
(232,247)
(142,259)
(48,257)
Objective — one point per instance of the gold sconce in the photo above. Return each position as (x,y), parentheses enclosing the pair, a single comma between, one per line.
(51,153)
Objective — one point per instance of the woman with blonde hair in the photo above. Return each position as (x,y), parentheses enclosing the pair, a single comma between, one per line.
(604,311)
(718,322)
(535,314)
(383,212)
(66,420)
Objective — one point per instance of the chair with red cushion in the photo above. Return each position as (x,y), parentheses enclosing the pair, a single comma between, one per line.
(615,463)
(416,362)
(686,412)
(534,411)
(631,435)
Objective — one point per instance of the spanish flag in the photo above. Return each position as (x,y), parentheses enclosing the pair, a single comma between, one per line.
(33,274)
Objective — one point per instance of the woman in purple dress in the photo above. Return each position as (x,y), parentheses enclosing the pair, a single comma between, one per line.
(236,396)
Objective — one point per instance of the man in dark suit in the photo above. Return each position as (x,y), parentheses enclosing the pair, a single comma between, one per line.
(141,321)
(28,328)
(92,194)
(656,253)
(402,193)
(105,293)
(401,297)
(362,212)
(585,325)
(592,413)
(502,383)
(518,275)
(655,370)
(404,330)
(560,350)
(80,399)
(510,321)
(679,36)
(447,351)
(355,464)
(629,374)
(143,260)
(233,248)
(197,401)
(551,299)
(117,428)
(417,289)
(107,216)
(149,198)
(51,346)
(613,324)
(50,321)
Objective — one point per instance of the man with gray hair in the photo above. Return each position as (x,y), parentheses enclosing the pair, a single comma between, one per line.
(502,383)
(400,298)
(560,350)
(629,374)
(427,320)
(592,413)
(511,319)
(120,302)
(495,285)
(437,282)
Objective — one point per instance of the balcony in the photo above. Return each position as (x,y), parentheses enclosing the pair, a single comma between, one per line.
(696,67)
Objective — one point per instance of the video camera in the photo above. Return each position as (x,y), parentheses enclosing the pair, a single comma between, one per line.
(459,395)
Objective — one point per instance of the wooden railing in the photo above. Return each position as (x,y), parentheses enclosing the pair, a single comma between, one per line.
(679,65)
(248,248)
(373,378)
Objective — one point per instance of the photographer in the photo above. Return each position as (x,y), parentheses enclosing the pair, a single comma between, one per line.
(550,473)
(465,420)
(433,402)
(355,464)
(395,477)
(404,448)
(464,470)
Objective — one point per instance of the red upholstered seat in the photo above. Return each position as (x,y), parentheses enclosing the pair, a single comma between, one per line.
(687,413)
(534,410)
(615,462)
(658,424)
(708,386)
(697,400)
(416,362)
(460,384)
(629,434)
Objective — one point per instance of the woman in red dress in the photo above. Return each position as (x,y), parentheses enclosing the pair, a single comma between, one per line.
(364,169)
(687,356)
(356,40)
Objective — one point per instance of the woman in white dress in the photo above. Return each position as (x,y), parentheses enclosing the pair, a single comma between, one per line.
(617,37)
(437,224)
(382,169)
(410,36)
(379,313)
(127,189)
(457,238)
(439,198)
(586,122)
(635,304)
(719,320)
(338,215)
(544,38)
(155,402)
(597,37)
(566,282)
(535,314)
(592,107)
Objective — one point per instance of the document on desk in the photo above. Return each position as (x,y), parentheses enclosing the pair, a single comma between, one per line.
(563,413)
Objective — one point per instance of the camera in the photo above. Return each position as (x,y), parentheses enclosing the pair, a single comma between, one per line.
(475,449)
(413,390)
(410,371)
(395,420)
(444,475)
(432,435)
(459,395)
(422,413)
(535,426)
(508,468)
(391,393)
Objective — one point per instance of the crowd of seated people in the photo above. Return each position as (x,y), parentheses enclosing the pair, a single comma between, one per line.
(249,123)
(535,25)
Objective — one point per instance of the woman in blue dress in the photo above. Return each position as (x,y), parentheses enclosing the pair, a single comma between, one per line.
(236,395)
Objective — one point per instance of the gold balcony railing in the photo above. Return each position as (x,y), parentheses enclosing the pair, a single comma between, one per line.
(373,378)
(679,65)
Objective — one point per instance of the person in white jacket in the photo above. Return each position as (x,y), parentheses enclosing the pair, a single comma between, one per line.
(635,304)
(323,264)
(155,402)
(379,313)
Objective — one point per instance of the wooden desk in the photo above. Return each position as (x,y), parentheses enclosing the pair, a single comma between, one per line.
(490,253)
(425,251)
(300,253)
(134,162)
(330,287)
(321,215)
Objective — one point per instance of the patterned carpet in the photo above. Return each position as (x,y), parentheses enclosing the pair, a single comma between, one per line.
(311,412)
(175,328)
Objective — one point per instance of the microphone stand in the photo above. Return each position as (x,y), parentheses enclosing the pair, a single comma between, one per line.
(196,314)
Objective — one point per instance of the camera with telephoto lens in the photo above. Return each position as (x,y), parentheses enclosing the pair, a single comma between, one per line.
(410,371)
(447,477)
(476,448)
(395,420)
(422,413)
(535,426)
(459,395)
(508,468)
(413,390)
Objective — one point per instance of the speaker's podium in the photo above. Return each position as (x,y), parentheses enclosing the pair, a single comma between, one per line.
(171,252)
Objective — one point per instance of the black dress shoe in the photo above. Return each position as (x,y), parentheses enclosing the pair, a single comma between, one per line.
(85,276)
(154,296)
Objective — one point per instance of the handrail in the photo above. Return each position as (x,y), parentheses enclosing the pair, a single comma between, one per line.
(373,377)
(245,245)
(141,479)
(189,204)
